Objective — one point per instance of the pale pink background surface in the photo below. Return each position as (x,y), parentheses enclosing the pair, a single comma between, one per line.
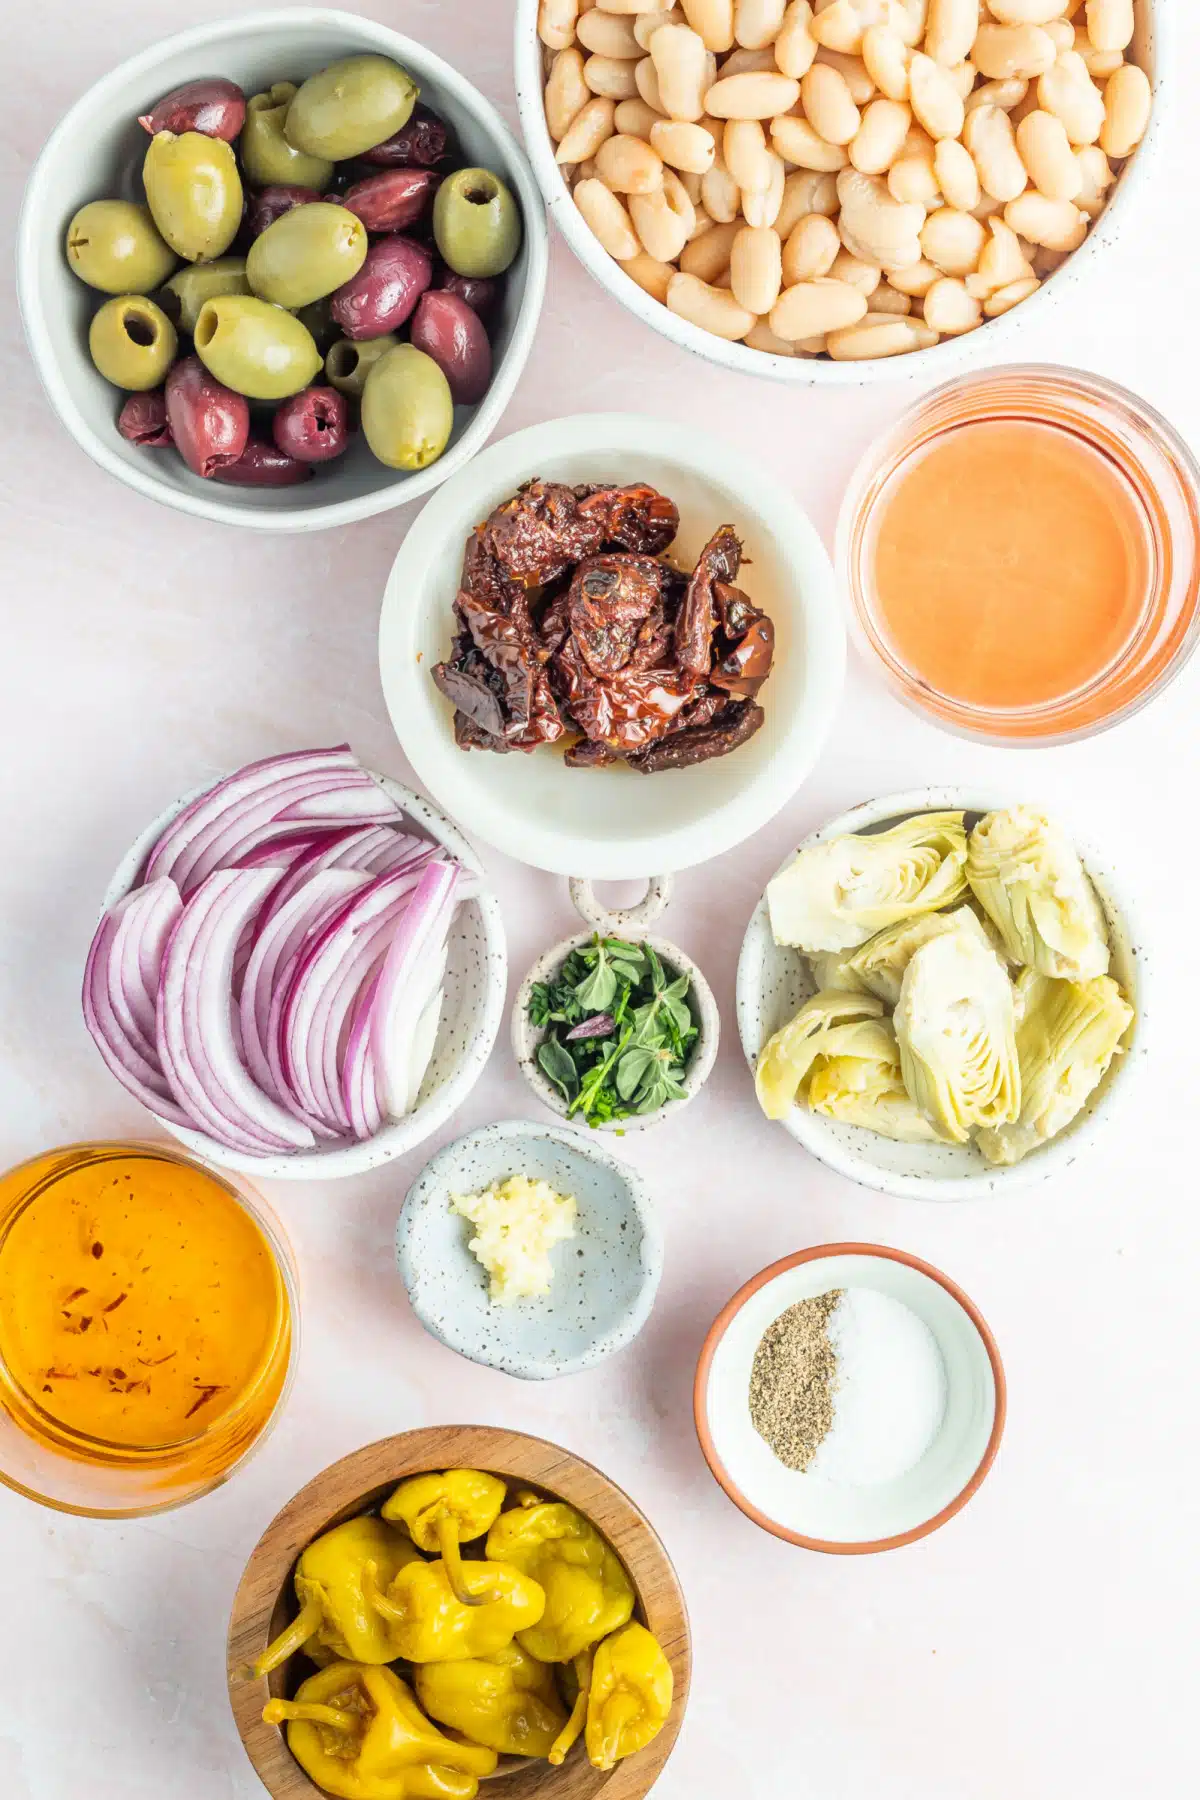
(1042,1645)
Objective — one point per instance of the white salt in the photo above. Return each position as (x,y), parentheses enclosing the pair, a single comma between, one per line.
(889,1394)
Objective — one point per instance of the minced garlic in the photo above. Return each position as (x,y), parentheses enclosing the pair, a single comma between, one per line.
(517,1222)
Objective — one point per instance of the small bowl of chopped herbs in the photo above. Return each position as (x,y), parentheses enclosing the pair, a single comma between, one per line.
(615,1032)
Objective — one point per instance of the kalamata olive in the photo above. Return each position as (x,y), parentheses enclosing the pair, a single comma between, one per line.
(270,203)
(143,420)
(212,105)
(479,293)
(349,107)
(386,289)
(420,144)
(447,329)
(313,426)
(394,199)
(263,465)
(209,422)
(194,191)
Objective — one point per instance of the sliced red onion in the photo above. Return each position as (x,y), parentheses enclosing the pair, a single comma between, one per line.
(376,849)
(256,821)
(139,1075)
(402,995)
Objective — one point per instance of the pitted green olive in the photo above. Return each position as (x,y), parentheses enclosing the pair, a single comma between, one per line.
(132,342)
(267,157)
(350,361)
(189,288)
(114,245)
(407,412)
(350,107)
(194,193)
(306,254)
(476,223)
(255,348)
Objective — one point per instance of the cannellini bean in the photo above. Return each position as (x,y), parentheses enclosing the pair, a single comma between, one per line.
(1004,94)
(608,34)
(628,165)
(567,93)
(756,268)
(913,181)
(910,18)
(708,255)
(761,337)
(556,23)
(744,148)
(1061,33)
(1001,261)
(711,308)
(1100,63)
(611,76)
(663,220)
(949,309)
(887,299)
(934,98)
(763,208)
(755,95)
(987,208)
(876,144)
(874,226)
(854,73)
(646,77)
(950,30)
(608,219)
(806,191)
(589,128)
(651,275)
(798,143)
(879,337)
(636,6)
(1026,12)
(756,23)
(811,249)
(795,47)
(988,134)
(1047,154)
(963,76)
(713,20)
(915,280)
(681,66)
(865,276)
(743,62)
(684,146)
(1095,179)
(841,25)
(827,104)
(1003,50)
(646,24)
(952,241)
(1110,23)
(636,118)
(1045,261)
(1054,224)
(956,174)
(886,58)
(720,194)
(1007,297)
(1068,91)
(811,308)
(1126,110)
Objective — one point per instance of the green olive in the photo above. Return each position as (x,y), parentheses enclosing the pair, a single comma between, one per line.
(255,348)
(319,319)
(476,223)
(194,192)
(350,361)
(113,245)
(407,412)
(267,157)
(132,342)
(306,254)
(350,107)
(186,292)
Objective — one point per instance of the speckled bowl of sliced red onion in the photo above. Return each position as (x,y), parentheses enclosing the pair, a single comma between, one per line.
(299,971)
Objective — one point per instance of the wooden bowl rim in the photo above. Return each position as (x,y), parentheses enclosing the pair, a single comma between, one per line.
(342,1488)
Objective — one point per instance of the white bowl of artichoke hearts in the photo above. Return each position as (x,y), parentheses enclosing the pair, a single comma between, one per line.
(941,994)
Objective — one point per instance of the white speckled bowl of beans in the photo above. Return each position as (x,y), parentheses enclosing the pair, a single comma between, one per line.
(845,191)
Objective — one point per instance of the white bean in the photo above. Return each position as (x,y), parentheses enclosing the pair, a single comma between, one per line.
(876,144)
(663,220)
(588,130)
(608,219)
(744,148)
(841,26)
(763,208)
(761,337)
(1047,154)
(887,299)
(956,174)
(720,194)
(910,18)
(1068,91)
(611,77)
(1007,297)
(952,241)
(987,208)
(743,62)
(886,58)
(963,77)
(950,30)
(795,47)
(757,94)
(1004,94)
(854,73)
(874,226)
(811,308)
(756,24)
(806,191)
(1026,12)
(636,118)
(711,308)
(646,24)
(628,165)
(1126,110)
(1110,23)
(913,181)
(653,276)
(915,280)
(756,269)
(681,66)
(556,23)
(798,143)
(1054,224)
(608,34)
(865,276)
(684,146)
(948,307)
(810,249)
(988,134)
(646,77)
(1001,261)
(1100,63)
(934,98)
(827,104)
(879,337)
(1003,50)
(713,20)
(1095,179)
(636,6)
(707,256)
(567,93)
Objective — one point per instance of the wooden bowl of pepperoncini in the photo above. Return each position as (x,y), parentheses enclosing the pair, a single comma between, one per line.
(374,1653)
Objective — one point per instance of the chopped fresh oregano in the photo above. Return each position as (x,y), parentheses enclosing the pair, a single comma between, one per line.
(619,1030)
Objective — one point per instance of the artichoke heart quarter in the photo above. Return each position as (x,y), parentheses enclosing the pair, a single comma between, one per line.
(870,1092)
(1068,1034)
(834,896)
(955,1028)
(828,1025)
(1031,884)
(879,965)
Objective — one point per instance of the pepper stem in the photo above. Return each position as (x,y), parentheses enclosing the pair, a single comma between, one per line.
(275,1712)
(293,1638)
(574,1725)
(619,1712)
(376,1599)
(451,1555)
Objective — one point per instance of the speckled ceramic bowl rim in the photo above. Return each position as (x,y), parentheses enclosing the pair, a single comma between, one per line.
(721,1324)
(1114,1093)
(526,1037)
(207,41)
(992,340)
(397,1139)
(430,1185)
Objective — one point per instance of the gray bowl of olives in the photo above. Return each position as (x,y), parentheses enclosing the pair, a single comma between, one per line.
(281,271)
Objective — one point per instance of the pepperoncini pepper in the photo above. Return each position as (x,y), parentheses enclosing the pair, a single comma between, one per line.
(334,1613)
(630,1695)
(588,1593)
(444,1511)
(507,1700)
(358,1732)
(425,1623)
